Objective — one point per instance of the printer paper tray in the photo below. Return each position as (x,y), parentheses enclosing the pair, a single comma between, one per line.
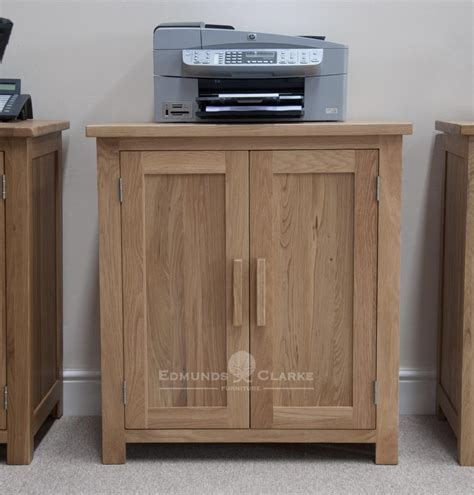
(221,112)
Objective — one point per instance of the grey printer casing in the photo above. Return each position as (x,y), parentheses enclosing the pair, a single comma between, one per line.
(212,73)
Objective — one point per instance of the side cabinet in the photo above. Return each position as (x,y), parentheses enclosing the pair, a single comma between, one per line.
(455,393)
(249,285)
(30,282)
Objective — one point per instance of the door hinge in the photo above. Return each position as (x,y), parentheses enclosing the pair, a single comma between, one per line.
(377,188)
(4,187)
(376,392)
(5,398)
(124,393)
(121,189)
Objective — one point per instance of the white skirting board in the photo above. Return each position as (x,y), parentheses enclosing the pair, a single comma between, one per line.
(82,392)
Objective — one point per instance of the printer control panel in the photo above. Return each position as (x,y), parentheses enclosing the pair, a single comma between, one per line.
(279,57)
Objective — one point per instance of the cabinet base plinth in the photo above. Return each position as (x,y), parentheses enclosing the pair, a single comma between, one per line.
(250,436)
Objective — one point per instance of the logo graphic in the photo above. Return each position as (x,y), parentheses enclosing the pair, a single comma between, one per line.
(241,365)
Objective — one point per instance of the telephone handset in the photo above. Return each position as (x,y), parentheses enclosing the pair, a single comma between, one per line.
(14,105)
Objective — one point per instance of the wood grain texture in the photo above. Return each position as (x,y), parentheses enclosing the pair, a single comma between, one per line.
(3,329)
(388,299)
(261,292)
(250,435)
(30,305)
(466,433)
(18,301)
(453,277)
(303,225)
(31,128)
(456,350)
(192,162)
(313,162)
(111,323)
(237,277)
(259,143)
(447,407)
(138,130)
(44,325)
(181,233)
(365,287)
(45,144)
(44,408)
(320,170)
(463,128)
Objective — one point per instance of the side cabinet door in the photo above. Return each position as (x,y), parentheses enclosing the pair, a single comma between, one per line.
(185,288)
(3,334)
(313,288)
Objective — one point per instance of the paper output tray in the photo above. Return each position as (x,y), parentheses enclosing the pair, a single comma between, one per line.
(249,105)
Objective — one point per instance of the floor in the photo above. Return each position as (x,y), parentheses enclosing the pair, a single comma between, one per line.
(67,461)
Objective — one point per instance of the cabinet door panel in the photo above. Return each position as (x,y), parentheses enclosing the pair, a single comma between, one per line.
(3,335)
(185,228)
(314,225)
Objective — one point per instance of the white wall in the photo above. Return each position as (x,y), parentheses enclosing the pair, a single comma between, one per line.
(91,61)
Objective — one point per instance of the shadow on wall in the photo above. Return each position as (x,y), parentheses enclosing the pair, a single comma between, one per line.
(428,279)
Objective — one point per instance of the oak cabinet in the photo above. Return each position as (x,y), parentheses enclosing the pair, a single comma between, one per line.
(455,391)
(244,276)
(30,282)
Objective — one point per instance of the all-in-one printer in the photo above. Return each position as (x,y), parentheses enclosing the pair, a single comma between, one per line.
(213,73)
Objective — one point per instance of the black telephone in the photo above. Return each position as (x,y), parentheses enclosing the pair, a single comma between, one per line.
(13,105)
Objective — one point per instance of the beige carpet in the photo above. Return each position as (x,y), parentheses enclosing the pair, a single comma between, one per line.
(67,461)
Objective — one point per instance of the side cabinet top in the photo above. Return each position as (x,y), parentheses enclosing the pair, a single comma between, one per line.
(149,130)
(32,128)
(450,127)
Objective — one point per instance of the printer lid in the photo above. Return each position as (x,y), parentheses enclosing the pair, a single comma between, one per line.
(200,25)
(200,35)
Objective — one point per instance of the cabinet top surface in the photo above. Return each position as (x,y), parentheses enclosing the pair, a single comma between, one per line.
(451,127)
(32,128)
(141,130)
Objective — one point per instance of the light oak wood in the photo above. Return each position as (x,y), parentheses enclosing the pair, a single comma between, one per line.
(237,289)
(178,232)
(314,322)
(456,350)
(322,275)
(111,321)
(47,404)
(388,299)
(140,130)
(448,410)
(19,331)
(194,162)
(31,128)
(229,143)
(464,128)
(45,371)
(250,435)
(3,327)
(261,292)
(32,285)
(313,162)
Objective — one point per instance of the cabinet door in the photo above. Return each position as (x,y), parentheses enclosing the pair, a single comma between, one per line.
(313,237)
(3,334)
(185,274)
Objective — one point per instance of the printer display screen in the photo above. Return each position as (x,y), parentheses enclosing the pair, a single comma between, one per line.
(249,57)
